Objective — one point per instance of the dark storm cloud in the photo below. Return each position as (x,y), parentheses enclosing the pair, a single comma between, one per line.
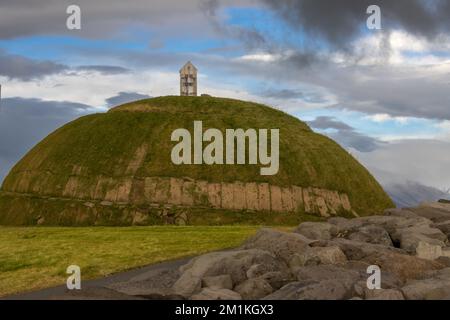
(18,67)
(210,7)
(291,94)
(283,94)
(345,134)
(340,21)
(329,123)
(124,97)
(420,91)
(24,122)
(26,69)
(301,59)
(100,17)
(355,140)
(249,36)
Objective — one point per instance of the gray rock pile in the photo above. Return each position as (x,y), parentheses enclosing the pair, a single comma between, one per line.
(324,260)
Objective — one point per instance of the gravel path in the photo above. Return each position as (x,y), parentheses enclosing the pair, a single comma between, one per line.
(101,288)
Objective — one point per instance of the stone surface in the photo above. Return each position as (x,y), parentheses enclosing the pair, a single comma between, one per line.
(188,285)
(328,255)
(372,234)
(329,260)
(278,279)
(233,263)
(428,251)
(322,260)
(355,250)
(435,285)
(410,237)
(253,289)
(437,212)
(445,261)
(237,195)
(430,289)
(345,226)
(218,282)
(400,212)
(281,244)
(328,272)
(256,271)
(312,290)
(317,230)
(444,227)
(401,265)
(384,294)
(316,256)
(216,294)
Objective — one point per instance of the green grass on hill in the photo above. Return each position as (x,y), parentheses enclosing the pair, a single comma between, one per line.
(37,257)
(103,145)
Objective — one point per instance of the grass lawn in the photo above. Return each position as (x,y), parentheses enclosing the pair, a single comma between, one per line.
(37,257)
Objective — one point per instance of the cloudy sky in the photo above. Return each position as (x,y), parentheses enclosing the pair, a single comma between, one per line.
(382,94)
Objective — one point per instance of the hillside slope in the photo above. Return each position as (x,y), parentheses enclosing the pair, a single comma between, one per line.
(115,168)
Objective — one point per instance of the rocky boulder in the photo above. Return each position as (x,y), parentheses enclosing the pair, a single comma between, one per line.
(317,255)
(372,234)
(317,230)
(331,260)
(216,294)
(233,263)
(281,244)
(253,289)
(218,282)
(384,294)
(312,290)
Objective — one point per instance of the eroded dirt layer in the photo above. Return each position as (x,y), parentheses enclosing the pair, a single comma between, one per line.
(250,196)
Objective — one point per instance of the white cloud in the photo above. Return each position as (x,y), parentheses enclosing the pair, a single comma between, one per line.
(405,137)
(260,57)
(424,161)
(397,48)
(444,127)
(384,117)
(93,88)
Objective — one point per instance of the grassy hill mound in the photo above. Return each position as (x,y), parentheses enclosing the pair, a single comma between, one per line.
(115,168)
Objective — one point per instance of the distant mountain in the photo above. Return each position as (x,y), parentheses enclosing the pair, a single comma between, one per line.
(411,194)
(404,191)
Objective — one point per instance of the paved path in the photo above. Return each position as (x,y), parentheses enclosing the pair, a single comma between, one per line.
(97,288)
